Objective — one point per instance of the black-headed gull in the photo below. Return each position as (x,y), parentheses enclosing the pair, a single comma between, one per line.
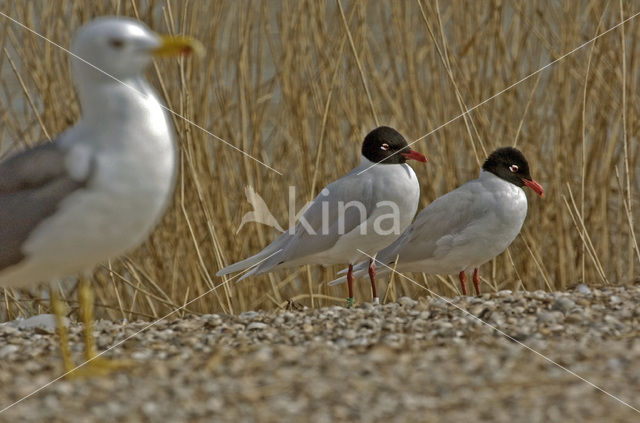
(101,186)
(366,210)
(466,227)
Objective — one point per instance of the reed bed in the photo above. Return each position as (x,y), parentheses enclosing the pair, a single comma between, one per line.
(297,85)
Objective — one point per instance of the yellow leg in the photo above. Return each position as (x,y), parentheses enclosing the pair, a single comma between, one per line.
(60,309)
(85,299)
(95,365)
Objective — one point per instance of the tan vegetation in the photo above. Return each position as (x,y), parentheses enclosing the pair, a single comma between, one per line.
(297,84)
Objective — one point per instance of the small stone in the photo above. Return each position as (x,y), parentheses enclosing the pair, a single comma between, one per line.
(477,310)
(583,289)
(141,355)
(574,318)
(615,363)
(349,334)
(613,321)
(257,326)
(538,295)
(583,302)
(8,329)
(545,317)
(563,304)
(44,323)
(491,305)
(150,408)
(8,350)
(406,301)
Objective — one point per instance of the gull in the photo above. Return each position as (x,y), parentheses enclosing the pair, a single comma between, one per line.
(363,210)
(100,187)
(466,227)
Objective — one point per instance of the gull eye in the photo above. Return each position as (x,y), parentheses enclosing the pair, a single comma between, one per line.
(384,147)
(116,43)
(514,168)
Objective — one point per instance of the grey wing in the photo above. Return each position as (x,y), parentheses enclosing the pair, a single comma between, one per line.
(436,227)
(32,185)
(325,210)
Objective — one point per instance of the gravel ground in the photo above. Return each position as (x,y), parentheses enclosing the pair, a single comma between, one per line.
(407,361)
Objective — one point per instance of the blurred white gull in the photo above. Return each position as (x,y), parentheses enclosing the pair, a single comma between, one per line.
(100,187)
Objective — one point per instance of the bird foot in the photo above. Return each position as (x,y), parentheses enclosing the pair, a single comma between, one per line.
(350,302)
(376,300)
(100,367)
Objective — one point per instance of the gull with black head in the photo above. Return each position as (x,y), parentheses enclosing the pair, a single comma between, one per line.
(360,211)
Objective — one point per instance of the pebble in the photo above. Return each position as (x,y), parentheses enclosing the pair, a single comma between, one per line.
(7,350)
(46,323)
(546,317)
(563,304)
(249,315)
(406,301)
(257,326)
(583,289)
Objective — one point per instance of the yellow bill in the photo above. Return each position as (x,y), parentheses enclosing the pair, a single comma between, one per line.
(179,45)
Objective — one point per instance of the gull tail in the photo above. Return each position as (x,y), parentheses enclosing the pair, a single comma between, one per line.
(255,262)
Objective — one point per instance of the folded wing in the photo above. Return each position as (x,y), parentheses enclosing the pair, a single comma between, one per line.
(32,185)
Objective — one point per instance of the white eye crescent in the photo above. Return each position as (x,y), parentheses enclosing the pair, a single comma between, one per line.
(514,168)
(384,147)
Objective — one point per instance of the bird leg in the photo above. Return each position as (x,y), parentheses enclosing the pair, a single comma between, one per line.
(60,309)
(350,285)
(463,282)
(476,281)
(95,364)
(85,299)
(372,276)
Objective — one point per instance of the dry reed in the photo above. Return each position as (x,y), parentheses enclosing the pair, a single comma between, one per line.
(297,84)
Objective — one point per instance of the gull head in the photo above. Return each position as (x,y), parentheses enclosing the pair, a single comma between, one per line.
(122,48)
(509,164)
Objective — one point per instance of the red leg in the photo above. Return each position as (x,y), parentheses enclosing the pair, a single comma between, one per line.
(463,282)
(372,276)
(476,281)
(350,285)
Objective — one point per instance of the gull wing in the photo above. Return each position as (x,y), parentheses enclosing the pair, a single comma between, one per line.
(33,183)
